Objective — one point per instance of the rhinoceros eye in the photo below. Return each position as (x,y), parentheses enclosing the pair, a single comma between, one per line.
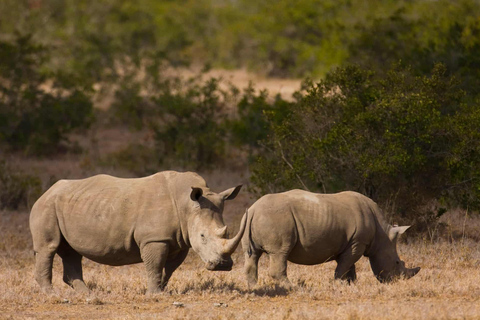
(397,262)
(204,240)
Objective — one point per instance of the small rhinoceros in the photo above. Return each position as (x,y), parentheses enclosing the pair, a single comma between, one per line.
(117,221)
(308,228)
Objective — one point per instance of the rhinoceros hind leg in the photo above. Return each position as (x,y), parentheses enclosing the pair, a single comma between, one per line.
(278,267)
(171,266)
(251,267)
(72,268)
(154,256)
(43,269)
(46,239)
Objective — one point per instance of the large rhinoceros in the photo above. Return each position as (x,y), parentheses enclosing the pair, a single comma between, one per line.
(308,228)
(117,221)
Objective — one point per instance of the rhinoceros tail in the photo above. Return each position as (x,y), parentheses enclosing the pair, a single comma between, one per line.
(250,246)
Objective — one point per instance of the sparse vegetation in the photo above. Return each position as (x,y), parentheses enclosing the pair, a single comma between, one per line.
(17,189)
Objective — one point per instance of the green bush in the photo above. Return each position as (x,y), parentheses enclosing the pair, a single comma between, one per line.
(186,117)
(250,127)
(396,137)
(17,189)
(37,110)
(196,122)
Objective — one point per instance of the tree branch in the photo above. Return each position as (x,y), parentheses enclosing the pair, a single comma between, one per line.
(291,167)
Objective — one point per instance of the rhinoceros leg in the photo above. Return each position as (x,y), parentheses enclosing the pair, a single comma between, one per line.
(251,266)
(72,268)
(171,266)
(43,269)
(351,275)
(154,256)
(278,266)
(46,239)
(346,263)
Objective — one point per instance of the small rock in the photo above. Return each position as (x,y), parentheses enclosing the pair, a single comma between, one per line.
(220,304)
(178,304)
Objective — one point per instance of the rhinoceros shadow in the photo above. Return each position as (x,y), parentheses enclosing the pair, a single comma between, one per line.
(273,290)
(277,290)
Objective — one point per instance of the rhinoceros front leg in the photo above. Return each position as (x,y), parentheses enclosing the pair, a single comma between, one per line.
(72,268)
(154,256)
(346,263)
(171,266)
(350,275)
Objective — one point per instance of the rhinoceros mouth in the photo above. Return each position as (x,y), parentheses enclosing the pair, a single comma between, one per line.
(222,266)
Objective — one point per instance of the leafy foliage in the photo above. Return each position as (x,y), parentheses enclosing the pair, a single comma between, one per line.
(34,117)
(250,126)
(395,137)
(186,117)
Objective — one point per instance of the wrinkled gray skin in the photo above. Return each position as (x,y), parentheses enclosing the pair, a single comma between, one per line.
(308,228)
(117,222)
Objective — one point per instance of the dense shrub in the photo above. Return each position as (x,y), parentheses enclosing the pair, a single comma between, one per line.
(250,126)
(398,138)
(195,122)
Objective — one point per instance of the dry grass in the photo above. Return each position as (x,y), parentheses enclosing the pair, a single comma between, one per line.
(447,287)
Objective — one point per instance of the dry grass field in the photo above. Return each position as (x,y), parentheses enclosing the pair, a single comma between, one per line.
(447,287)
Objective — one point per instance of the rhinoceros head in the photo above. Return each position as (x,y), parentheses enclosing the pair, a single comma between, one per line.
(207,231)
(385,263)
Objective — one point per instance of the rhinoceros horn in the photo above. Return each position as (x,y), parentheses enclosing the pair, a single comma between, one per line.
(231,244)
(411,272)
(221,232)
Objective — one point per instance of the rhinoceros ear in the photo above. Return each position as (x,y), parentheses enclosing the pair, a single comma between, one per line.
(231,193)
(196,193)
(395,231)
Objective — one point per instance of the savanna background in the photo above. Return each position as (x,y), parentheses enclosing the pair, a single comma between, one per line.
(380,97)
